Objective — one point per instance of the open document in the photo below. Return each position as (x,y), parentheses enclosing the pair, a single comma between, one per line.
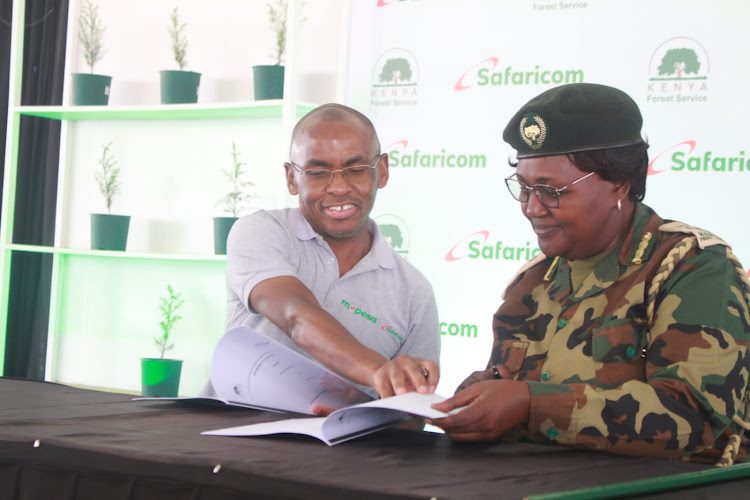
(346,423)
(251,370)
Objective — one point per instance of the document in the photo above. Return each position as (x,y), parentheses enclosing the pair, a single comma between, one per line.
(251,370)
(346,423)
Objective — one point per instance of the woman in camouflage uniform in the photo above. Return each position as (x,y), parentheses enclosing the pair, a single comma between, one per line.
(628,334)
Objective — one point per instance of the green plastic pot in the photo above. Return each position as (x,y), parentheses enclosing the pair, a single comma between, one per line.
(90,89)
(268,82)
(160,377)
(179,87)
(109,232)
(222,226)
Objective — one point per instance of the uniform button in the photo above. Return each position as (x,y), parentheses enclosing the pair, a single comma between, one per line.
(545,375)
(630,351)
(562,323)
(552,433)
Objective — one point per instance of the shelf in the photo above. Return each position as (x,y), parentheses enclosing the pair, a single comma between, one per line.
(115,254)
(257,109)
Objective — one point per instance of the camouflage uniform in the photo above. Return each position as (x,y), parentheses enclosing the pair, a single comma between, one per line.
(602,376)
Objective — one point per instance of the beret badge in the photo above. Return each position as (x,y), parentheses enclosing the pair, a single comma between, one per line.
(533,130)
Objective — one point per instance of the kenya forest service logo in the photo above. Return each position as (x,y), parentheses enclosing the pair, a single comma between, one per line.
(533,130)
(678,72)
(395,233)
(548,5)
(395,79)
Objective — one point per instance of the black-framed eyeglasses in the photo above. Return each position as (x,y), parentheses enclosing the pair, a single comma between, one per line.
(549,196)
(321,177)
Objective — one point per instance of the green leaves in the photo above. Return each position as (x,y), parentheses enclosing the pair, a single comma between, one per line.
(90,33)
(168,306)
(108,176)
(235,200)
(277,17)
(179,39)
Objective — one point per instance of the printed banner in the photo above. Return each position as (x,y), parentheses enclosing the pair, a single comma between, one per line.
(440,79)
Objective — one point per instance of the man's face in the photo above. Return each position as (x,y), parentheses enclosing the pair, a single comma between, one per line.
(338,209)
(578,227)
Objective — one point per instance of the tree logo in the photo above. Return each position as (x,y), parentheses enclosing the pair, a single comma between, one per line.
(678,72)
(395,233)
(533,130)
(395,79)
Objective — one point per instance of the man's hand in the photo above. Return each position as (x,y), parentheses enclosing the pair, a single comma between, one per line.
(406,374)
(492,408)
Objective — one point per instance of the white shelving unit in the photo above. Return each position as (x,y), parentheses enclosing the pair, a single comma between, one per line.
(104,305)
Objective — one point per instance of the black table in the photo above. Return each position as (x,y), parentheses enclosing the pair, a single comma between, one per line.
(60,442)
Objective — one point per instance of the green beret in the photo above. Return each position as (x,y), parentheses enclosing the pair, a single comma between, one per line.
(574,118)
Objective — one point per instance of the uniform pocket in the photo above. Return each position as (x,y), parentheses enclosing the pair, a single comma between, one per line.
(511,353)
(618,340)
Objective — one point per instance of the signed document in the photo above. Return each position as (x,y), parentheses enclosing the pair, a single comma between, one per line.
(251,370)
(346,423)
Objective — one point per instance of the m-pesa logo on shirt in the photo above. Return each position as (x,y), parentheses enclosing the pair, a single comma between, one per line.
(360,312)
(372,319)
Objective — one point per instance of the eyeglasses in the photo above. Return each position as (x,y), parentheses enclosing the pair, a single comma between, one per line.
(321,177)
(549,196)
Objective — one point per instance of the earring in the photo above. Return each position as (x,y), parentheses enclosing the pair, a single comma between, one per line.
(619,204)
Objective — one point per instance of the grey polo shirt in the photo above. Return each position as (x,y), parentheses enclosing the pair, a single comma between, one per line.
(384,301)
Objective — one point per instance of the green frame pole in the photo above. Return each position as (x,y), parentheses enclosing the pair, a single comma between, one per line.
(11,161)
(652,485)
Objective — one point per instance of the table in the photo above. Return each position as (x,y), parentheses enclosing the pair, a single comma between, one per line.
(61,442)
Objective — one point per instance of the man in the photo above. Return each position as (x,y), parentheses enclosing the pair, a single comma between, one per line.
(321,279)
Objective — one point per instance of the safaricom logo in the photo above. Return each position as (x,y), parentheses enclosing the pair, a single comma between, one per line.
(386,3)
(483,74)
(399,155)
(467,330)
(474,247)
(680,158)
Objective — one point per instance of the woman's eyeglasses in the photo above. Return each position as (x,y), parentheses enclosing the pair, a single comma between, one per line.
(549,196)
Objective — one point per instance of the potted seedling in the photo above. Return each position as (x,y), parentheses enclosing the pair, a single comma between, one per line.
(268,80)
(234,202)
(90,88)
(179,86)
(160,377)
(108,231)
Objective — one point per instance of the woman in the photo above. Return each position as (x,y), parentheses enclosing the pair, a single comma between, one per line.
(627,335)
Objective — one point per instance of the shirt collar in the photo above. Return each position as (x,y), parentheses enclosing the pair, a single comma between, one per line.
(381,251)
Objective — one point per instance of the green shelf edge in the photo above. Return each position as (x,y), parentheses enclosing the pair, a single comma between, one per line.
(115,254)
(265,109)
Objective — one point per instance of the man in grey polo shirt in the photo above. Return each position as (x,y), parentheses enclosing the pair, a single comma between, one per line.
(321,279)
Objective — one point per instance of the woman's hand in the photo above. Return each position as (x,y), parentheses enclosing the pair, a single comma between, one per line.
(473,379)
(491,409)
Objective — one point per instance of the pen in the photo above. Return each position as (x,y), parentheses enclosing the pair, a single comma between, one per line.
(425,372)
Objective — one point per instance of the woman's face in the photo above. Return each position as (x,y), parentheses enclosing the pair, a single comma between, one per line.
(580,226)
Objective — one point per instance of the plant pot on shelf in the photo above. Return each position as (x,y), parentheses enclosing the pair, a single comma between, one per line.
(109,232)
(90,89)
(160,377)
(179,87)
(268,82)
(222,225)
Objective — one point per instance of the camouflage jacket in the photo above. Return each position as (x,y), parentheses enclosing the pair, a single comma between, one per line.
(602,376)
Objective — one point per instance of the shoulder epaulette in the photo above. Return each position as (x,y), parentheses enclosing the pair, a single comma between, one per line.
(705,238)
(529,264)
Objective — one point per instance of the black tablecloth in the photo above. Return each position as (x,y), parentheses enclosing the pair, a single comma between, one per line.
(59,442)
